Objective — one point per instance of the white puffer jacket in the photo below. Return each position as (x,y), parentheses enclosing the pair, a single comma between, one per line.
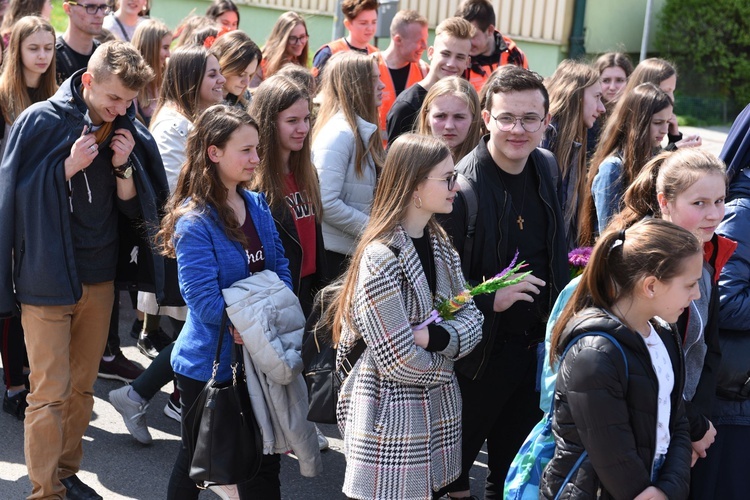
(346,197)
(270,320)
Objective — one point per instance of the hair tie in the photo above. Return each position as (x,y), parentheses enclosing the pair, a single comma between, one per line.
(619,241)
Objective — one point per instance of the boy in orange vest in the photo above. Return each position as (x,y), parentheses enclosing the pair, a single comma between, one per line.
(489,48)
(401,64)
(361,19)
(448,56)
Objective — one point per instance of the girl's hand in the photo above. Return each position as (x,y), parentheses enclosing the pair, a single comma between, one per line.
(674,129)
(691,141)
(236,335)
(651,493)
(422,337)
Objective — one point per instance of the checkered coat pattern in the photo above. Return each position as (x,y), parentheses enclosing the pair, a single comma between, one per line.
(399,410)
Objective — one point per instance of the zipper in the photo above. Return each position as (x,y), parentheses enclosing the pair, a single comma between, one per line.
(20,258)
(550,210)
(494,315)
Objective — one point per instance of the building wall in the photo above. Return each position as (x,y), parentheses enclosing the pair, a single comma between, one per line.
(544,55)
(603,34)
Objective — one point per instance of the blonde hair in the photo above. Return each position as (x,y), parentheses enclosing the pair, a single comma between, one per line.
(461,88)
(457,27)
(348,87)
(410,159)
(14,96)
(122,60)
(274,51)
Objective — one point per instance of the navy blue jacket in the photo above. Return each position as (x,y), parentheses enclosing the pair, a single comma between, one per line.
(36,246)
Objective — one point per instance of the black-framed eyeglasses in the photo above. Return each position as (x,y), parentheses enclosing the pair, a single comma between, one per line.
(92,9)
(530,123)
(294,40)
(451,180)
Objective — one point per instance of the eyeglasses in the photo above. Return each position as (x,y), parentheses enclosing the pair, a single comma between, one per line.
(294,40)
(530,123)
(92,9)
(451,180)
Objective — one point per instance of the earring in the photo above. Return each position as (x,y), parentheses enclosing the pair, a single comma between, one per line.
(417,202)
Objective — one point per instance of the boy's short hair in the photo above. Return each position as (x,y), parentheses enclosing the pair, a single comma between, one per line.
(404,18)
(352,8)
(122,60)
(511,78)
(477,11)
(456,27)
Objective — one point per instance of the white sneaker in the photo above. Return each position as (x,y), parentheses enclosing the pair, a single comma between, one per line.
(133,414)
(226,491)
(322,440)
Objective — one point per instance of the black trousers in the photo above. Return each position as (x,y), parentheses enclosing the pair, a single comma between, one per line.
(13,351)
(502,407)
(265,485)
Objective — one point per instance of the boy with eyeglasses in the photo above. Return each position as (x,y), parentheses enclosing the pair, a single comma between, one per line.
(73,48)
(514,184)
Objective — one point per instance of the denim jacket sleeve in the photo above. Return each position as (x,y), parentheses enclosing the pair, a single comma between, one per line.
(607,191)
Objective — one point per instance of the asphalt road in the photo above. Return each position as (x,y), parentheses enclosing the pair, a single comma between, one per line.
(118,467)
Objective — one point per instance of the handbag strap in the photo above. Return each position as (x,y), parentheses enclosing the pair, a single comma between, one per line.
(222,331)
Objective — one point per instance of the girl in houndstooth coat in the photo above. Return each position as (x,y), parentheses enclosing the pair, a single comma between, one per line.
(399,410)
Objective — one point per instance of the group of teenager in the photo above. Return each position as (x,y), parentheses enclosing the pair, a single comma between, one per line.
(174,164)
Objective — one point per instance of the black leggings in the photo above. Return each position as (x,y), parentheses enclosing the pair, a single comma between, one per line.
(265,485)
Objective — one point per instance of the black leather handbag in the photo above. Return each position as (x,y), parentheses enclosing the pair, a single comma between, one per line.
(225,442)
(322,377)
(733,379)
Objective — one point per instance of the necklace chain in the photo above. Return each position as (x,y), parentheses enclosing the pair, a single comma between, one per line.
(519,214)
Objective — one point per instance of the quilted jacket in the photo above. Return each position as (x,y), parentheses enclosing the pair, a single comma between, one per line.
(399,410)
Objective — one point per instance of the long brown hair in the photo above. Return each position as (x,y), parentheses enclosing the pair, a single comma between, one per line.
(273,96)
(14,96)
(274,51)
(652,70)
(17,10)
(651,247)
(670,173)
(147,40)
(199,187)
(566,89)
(410,159)
(627,134)
(462,89)
(182,81)
(348,86)
(235,51)
(611,60)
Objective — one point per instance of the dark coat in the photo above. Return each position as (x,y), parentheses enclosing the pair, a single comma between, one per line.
(35,222)
(613,416)
(490,253)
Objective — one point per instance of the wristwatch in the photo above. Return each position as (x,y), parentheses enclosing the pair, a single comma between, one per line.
(124,171)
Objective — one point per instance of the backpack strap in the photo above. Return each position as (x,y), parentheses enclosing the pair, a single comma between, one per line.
(547,161)
(469,194)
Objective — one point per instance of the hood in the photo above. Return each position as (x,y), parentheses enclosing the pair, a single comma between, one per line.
(740,185)
(736,150)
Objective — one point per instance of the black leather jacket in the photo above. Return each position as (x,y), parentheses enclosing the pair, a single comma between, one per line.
(490,253)
(613,416)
